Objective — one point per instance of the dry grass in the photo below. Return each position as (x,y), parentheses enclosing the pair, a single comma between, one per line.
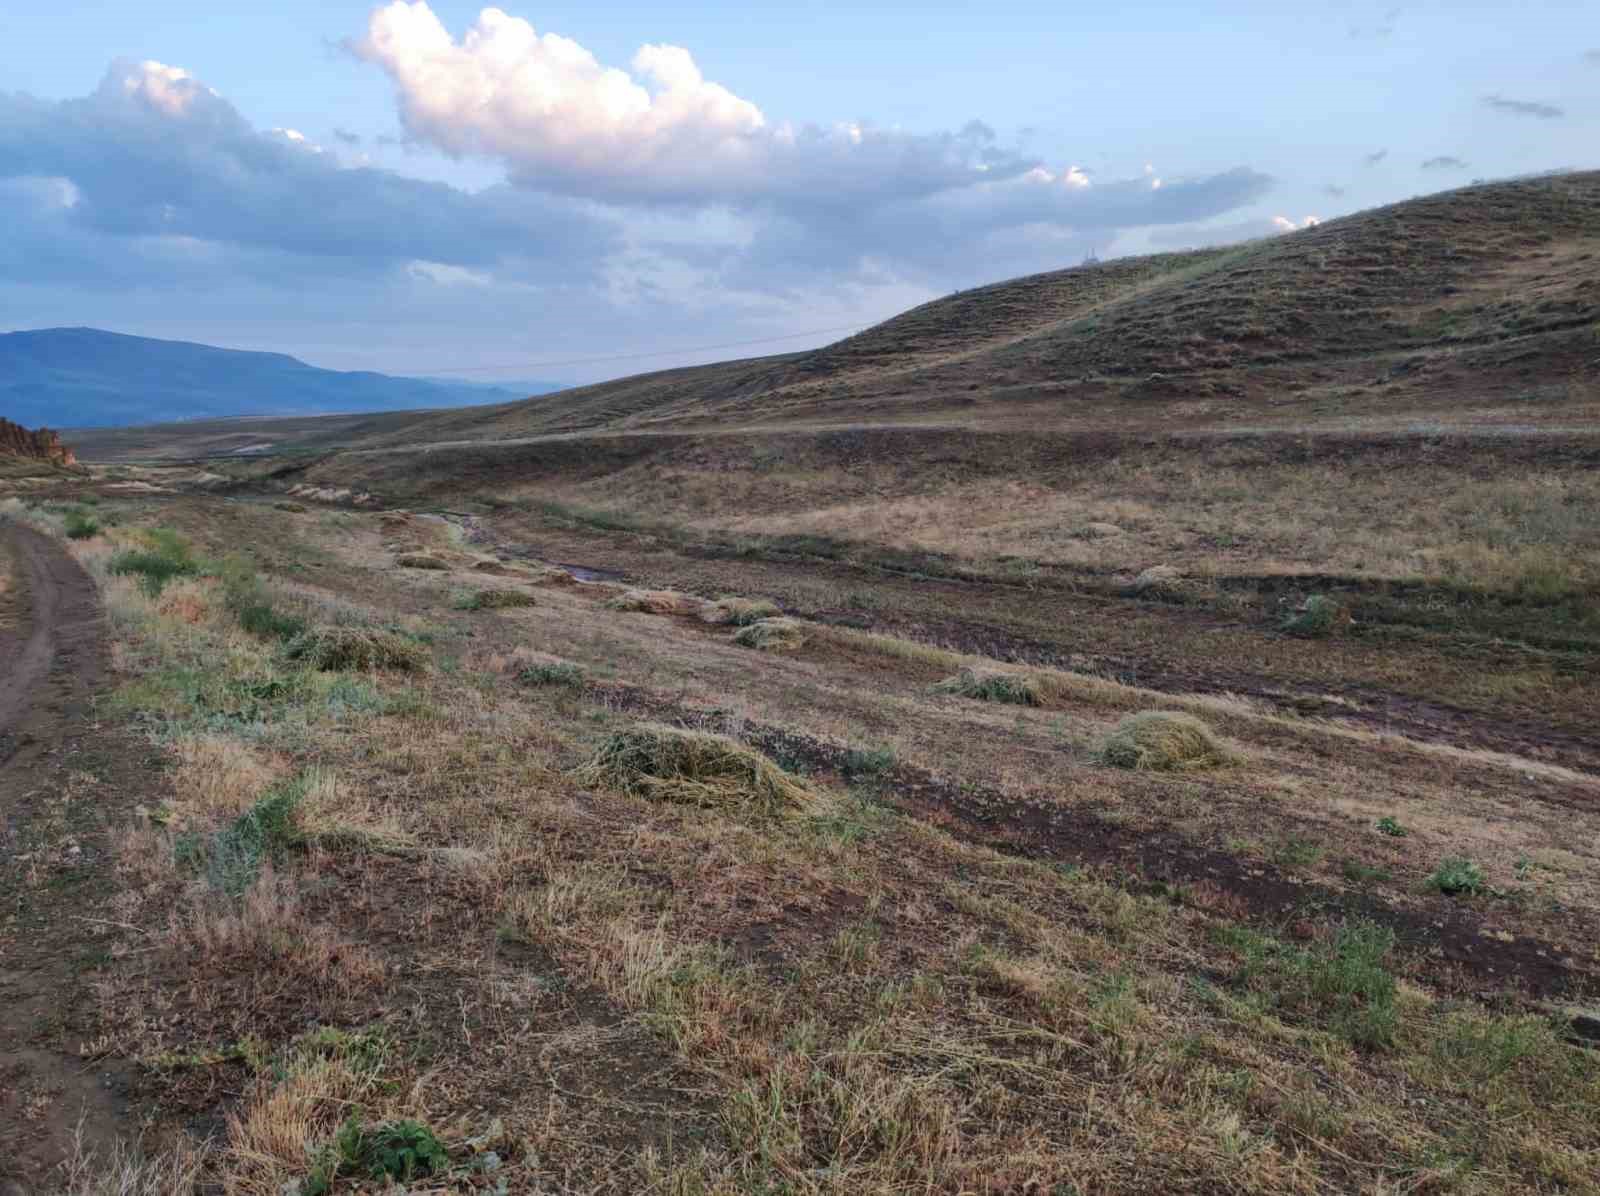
(417,560)
(496,600)
(740,612)
(1162,741)
(693,768)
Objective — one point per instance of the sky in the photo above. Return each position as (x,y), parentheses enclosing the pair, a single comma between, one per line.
(572,191)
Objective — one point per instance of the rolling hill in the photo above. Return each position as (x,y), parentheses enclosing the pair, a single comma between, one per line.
(82,377)
(1478,303)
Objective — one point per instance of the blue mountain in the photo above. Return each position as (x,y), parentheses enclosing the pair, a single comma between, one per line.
(84,377)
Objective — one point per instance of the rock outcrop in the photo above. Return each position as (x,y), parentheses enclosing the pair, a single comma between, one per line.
(43,445)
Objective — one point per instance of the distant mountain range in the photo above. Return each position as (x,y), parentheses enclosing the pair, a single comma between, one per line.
(85,377)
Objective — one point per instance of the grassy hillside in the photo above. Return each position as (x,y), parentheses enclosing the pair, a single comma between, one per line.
(1473,304)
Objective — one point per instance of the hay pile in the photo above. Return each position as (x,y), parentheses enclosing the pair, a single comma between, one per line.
(656,602)
(418,560)
(1161,741)
(772,635)
(738,612)
(331,649)
(1157,581)
(693,768)
(986,685)
(496,600)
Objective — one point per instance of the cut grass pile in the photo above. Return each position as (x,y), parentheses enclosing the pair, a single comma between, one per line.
(1163,741)
(772,635)
(331,649)
(420,560)
(693,768)
(494,600)
(655,602)
(739,612)
(991,686)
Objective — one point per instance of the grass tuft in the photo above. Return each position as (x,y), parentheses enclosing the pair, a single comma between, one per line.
(551,673)
(693,768)
(655,602)
(330,649)
(167,556)
(989,686)
(1163,741)
(80,525)
(772,635)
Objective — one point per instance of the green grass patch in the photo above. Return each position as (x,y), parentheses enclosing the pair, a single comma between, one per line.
(551,673)
(392,1151)
(231,858)
(1341,985)
(80,525)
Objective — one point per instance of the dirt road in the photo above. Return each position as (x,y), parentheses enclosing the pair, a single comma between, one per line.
(55,776)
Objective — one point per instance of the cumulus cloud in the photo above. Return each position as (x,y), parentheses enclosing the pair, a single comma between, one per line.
(1286,225)
(1444,162)
(1531,108)
(660,131)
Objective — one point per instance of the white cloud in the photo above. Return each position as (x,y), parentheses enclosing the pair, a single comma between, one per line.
(547,106)
(446,275)
(168,89)
(1285,225)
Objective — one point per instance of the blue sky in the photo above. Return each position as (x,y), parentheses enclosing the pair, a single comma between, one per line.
(443,189)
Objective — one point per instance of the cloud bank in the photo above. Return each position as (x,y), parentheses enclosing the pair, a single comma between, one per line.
(1524,108)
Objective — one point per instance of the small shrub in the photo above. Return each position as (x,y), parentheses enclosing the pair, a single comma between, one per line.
(494,600)
(80,525)
(739,612)
(1319,616)
(1457,876)
(1160,741)
(1389,825)
(419,560)
(984,686)
(552,673)
(772,635)
(330,649)
(167,556)
(248,601)
(693,768)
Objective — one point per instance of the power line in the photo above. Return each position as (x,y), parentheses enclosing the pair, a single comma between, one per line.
(545,365)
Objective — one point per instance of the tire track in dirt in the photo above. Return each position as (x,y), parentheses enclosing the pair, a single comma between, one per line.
(51,665)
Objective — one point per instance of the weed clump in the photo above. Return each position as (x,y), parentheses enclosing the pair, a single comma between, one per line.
(331,649)
(419,560)
(248,601)
(738,612)
(1161,741)
(1318,616)
(988,686)
(655,602)
(292,508)
(772,635)
(494,600)
(693,768)
(393,1150)
(1158,581)
(1456,877)
(231,858)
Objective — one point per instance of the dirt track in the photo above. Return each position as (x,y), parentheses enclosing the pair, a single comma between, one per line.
(51,656)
